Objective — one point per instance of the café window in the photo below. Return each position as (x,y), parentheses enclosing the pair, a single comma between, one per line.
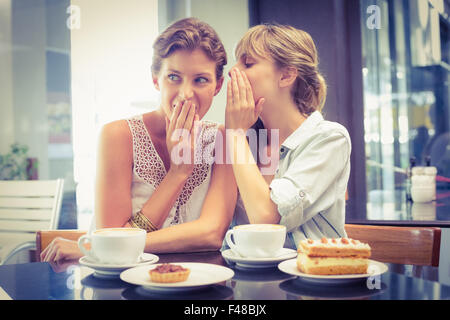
(35,95)
(406,69)
(111,78)
(67,67)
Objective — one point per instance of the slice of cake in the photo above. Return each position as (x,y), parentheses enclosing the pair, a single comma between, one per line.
(333,256)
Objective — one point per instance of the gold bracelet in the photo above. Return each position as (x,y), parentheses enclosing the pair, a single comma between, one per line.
(142,222)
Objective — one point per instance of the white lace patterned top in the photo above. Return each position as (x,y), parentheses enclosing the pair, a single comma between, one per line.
(149,171)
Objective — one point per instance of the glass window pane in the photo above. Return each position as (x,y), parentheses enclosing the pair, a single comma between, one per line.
(406,96)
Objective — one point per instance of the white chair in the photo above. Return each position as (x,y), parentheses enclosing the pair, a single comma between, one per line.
(25,208)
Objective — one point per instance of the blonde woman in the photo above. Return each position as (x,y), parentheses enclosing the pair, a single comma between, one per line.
(149,176)
(299,175)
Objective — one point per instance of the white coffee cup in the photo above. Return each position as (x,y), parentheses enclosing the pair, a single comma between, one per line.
(257,240)
(116,246)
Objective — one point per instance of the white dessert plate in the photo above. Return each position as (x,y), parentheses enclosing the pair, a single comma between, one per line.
(290,267)
(201,275)
(103,270)
(252,263)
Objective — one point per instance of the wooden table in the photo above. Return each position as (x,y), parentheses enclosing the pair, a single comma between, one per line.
(72,281)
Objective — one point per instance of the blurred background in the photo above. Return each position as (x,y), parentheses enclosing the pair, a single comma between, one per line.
(69,67)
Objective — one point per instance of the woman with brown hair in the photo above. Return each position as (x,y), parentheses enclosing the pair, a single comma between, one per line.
(155,170)
(299,175)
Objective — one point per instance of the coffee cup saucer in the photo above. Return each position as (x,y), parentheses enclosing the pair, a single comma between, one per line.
(103,270)
(253,263)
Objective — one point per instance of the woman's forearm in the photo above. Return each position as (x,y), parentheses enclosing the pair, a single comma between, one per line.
(161,201)
(253,188)
(187,237)
(208,230)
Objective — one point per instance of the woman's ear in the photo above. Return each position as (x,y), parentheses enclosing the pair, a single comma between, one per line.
(218,86)
(155,82)
(288,76)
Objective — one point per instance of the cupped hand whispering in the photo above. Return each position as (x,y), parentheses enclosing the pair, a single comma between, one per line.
(181,132)
(241,111)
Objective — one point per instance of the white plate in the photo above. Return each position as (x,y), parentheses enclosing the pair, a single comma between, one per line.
(201,275)
(290,267)
(103,270)
(251,263)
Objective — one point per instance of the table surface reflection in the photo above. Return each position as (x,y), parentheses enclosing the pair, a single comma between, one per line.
(71,281)
(391,208)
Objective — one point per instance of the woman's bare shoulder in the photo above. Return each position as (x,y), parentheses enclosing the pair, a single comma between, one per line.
(116,133)
(116,127)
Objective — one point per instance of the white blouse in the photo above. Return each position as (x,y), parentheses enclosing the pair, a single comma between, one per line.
(310,182)
(149,171)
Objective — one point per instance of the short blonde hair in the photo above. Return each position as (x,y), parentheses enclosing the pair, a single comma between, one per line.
(289,47)
(189,34)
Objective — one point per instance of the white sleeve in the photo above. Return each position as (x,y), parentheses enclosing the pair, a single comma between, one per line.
(310,173)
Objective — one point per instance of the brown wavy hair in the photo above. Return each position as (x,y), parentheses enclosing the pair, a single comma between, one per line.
(189,34)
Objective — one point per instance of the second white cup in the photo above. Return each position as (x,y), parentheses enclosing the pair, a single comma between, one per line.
(257,240)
